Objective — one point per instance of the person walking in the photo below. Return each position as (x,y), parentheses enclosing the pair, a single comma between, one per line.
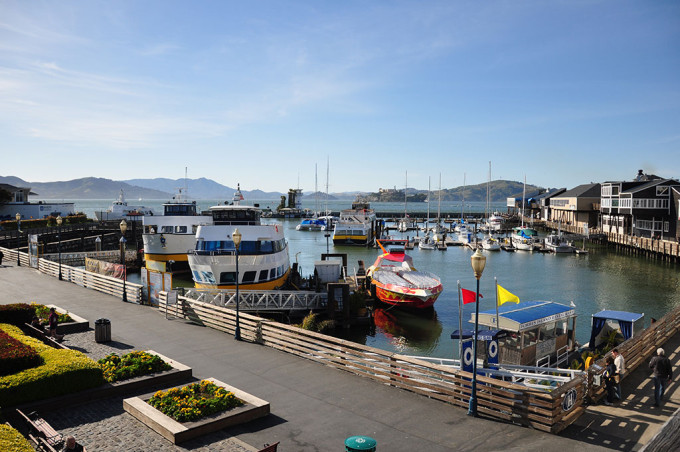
(609,384)
(620,364)
(663,374)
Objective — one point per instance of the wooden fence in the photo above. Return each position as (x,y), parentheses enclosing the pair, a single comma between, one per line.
(638,350)
(546,410)
(101,283)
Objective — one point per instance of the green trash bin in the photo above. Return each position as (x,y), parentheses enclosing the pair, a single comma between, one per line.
(360,444)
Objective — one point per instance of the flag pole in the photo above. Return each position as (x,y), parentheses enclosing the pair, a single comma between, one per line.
(498,326)
(460,327)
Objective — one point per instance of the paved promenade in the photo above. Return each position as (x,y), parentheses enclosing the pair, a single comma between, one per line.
(313,407)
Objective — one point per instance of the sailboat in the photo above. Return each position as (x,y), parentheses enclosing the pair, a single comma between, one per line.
(314,223)
(438,234)
(405,223)
(427,242)
(489,243)
(523,238)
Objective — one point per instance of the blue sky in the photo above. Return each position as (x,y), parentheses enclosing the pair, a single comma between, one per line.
(258,92)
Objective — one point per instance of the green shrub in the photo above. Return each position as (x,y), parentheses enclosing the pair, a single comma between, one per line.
(16,313)
(325,326)
(310,322)
(63,372)
(43,313)
(12,440)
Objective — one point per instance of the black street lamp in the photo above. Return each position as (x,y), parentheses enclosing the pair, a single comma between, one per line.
(236,237)
(59,221)
(478,261)
(123,228)
(18,217)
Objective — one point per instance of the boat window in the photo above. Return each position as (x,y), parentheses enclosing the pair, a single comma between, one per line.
(208,277)
(561,329)
(228,278)
(166,229)
(264,275)
(248,247)
(197,276)
(272,273)
(267,246)
(530,337)
(150,229)
(181,229)
(249,277)
(511,341)
(547,332)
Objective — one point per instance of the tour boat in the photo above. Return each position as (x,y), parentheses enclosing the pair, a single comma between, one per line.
(263,260)
(120,209)
(355,226)
(396,282)
(168,238)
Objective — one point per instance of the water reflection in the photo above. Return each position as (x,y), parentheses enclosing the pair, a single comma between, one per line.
(408,330)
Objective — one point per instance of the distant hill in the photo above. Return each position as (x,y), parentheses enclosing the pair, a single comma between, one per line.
(86,188)
(201,188)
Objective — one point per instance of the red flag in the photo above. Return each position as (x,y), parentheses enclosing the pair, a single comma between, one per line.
(469,296)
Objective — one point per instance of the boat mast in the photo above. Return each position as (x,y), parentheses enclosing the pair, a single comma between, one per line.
(462,206)
(316,192)
(439,202)
(524,192)
(427,223)
(405,197)
(488,182)
(327,172)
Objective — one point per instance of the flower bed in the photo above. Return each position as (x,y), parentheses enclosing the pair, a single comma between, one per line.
(16,356)
(195,401)
(130,365)
(43,313)
(177,432)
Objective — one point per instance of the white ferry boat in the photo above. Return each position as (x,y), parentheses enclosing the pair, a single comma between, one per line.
(263,259)
(355,226)
(120,210)
(169,237)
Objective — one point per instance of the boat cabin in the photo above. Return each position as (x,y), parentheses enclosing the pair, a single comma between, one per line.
(619,325)
(235,215)
(179,209)
(536,332)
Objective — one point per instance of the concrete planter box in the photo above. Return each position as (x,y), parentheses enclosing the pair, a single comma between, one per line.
(78,325)
(178,432)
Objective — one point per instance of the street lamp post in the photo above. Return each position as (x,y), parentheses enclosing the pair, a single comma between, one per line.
(18,217)
(478,261)
(123,228)
(59,221)
(236,237)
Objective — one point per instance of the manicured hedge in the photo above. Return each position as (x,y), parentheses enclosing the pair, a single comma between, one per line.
(16,313)
(64,372)
(16,356)
(12,440)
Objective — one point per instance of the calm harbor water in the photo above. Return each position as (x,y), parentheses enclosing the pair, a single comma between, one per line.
(599,280)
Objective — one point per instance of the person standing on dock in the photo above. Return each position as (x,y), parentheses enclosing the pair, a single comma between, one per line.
(620,364)
(663,373)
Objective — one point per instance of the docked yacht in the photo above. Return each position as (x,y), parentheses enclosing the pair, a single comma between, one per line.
(491,243)
(263,259)
(168,238)
(355,226)
(120,210)
(524,239)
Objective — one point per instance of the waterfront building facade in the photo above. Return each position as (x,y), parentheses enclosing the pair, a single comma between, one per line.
(577,207)
(18,203)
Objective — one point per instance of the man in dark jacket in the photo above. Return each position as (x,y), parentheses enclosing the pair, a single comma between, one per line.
(663,373)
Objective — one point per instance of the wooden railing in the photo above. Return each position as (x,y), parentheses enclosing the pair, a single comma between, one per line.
(100,283)
(639,349)
(547,410)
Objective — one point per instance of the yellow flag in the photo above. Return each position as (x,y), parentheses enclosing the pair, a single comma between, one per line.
(505,296)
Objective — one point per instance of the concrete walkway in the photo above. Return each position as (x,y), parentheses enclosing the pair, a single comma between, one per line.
(314,407)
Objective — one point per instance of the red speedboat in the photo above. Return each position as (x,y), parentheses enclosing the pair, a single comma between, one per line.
(396,282)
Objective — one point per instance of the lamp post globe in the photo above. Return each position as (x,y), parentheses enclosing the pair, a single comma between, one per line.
(236,237)
(478,261)
(123,228)
(59,221)
(18,218)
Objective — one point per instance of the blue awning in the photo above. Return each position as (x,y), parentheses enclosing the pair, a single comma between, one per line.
(485,335)
(618,315)
(525,315)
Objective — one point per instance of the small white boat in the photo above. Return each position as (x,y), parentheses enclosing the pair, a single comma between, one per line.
(490,243)
(556,243)
(120,209)
(427,243)
(312,224)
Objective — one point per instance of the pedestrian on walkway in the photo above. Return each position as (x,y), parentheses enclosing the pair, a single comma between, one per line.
(54,319)
(620,364)
(609,383)
(663,373)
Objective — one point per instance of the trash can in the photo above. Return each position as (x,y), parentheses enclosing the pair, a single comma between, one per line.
(360,444)
(102,330)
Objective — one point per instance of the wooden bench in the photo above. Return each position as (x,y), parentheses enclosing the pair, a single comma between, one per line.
(41,431)
(43,336)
